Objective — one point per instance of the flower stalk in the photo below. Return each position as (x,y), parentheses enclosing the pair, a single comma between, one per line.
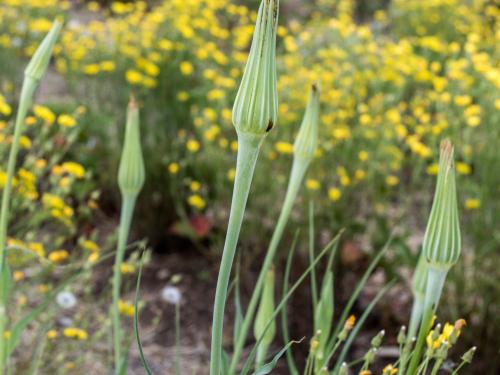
(32,75)
(304,151)
(131,177)
(255,113)
(441,246)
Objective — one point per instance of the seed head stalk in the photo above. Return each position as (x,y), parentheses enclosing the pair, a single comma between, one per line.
(248,152)
(255,113)
(127,211)
(32,76)
(131,177)
(304,151)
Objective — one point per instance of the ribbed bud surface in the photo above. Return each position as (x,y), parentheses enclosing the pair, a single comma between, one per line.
(255,109)
(131,174)
(442,241)
(307,140)
(40,60)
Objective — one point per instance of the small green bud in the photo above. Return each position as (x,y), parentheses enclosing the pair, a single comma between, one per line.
(419,281)
(402,336)
(324,371)
(131,174)
(442,237)
(255,109)
(307,139)
(40,60)
(344,369)
(370,355)
(377,340)
(265,312)
(467,357)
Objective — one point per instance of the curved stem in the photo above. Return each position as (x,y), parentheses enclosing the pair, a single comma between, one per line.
(127,210)
(248,152)
(298,170)
(29,86)
(435,283)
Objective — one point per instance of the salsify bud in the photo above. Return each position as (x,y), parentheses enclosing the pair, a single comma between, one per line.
(255,109)
(40,59)
(307,140)
(442,237)
(131,174)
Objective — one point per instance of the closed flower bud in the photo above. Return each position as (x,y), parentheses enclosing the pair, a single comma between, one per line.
(131,174)
(467,357)
(344,369)
(402,335)
(40,60)
(256,106)
(307,139)
(377,340)
(442,237)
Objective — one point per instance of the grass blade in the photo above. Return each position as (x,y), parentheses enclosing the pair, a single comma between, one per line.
(136,321)
(292,367)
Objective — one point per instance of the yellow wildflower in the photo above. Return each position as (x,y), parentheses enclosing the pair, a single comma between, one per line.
(312,184)
(173,168)
(197,201)
(66,121)
(472,203)
(334,194)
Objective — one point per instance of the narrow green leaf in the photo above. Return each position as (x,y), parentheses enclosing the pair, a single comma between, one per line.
(267,368)
(136,320)
(358,326)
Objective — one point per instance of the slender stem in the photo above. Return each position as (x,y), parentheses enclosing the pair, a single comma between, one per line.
(459,367)
(314,288)
(298,170)
(415,319)
(437,366)
(248,152)
(29,86)
(435,283)
(178,339)
(127,210)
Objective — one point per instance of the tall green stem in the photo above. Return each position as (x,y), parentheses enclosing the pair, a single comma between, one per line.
(248,152)
(127,210)
(29,86)
(298,170)
(435,282)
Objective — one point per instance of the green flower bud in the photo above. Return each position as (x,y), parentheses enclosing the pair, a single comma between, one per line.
(377,340)
(307,139)
(131,174)
(256,106)
(370,355)
(40,60)
(442,237)
(402,335)
(419,278)
(344,369)
(467,357)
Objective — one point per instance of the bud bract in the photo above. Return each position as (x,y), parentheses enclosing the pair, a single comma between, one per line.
(131,174)
(307,140)
(256,106)
(40,59)
(442,237)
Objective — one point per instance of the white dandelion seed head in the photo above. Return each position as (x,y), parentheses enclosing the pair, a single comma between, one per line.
(66,300)
(171,294)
